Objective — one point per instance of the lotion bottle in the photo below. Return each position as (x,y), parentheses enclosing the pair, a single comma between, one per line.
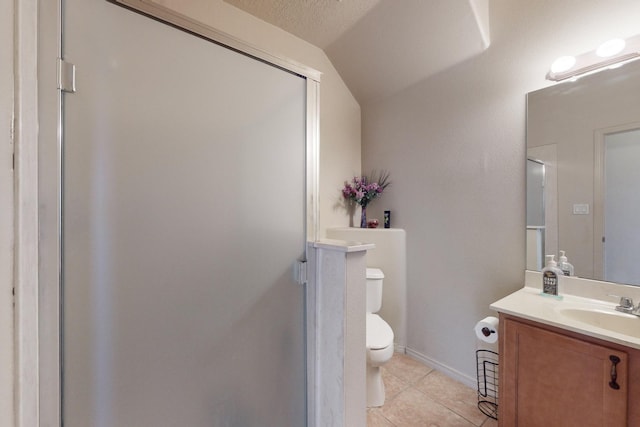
(550,276)
(565,266)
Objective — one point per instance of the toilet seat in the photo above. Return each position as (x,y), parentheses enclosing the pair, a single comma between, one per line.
(379,333)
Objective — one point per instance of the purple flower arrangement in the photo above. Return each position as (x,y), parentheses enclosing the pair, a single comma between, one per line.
(363,189)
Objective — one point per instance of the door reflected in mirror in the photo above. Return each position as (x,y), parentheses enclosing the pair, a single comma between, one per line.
(587,135)
(620,222)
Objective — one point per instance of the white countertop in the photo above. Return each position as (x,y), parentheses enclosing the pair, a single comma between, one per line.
(529,303)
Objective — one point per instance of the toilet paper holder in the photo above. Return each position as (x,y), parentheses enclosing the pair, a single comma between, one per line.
(486,331)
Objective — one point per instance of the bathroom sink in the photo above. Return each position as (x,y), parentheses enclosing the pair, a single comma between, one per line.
(611,320)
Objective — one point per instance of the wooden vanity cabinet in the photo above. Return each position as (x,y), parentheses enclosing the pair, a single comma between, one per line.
(550,377)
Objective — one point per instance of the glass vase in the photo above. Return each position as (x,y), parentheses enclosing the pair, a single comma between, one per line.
(363,217)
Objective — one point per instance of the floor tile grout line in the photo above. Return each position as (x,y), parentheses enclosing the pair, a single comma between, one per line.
(411,381)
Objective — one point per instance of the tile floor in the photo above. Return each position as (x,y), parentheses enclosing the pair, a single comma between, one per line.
(417,395)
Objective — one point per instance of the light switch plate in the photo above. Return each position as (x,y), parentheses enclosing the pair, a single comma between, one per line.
(581,209)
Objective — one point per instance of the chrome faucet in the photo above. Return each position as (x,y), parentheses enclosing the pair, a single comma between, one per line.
(626,305)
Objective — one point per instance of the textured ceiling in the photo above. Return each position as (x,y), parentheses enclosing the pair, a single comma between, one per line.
(320,22)
(381,47)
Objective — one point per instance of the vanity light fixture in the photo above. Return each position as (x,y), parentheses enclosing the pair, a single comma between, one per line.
(612,53)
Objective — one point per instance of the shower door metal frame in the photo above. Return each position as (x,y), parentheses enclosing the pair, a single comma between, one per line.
(42,390)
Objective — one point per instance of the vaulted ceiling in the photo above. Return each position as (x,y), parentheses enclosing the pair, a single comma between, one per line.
(381,47)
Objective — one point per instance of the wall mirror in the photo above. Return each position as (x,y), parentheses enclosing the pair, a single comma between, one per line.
(583,174)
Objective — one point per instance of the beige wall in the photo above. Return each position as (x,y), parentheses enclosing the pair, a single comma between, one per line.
(6,214)
(339,111)
(455,147)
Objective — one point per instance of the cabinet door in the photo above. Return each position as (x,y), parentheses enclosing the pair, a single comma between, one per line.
(550,379)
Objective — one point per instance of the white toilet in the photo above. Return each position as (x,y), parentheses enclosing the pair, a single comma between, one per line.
(379,338)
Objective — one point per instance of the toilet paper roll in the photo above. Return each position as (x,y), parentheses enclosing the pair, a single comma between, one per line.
(487,329)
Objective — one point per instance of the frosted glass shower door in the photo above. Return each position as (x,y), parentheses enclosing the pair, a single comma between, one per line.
(183,217)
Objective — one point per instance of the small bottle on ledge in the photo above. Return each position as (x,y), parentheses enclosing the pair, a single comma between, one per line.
(565,265)
(550,276)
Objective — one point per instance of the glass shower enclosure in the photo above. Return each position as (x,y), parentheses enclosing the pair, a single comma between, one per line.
(183,217)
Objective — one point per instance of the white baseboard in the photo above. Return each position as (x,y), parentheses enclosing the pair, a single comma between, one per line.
(399,348)
(448,371)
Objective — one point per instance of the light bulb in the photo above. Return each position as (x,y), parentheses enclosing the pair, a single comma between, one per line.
(610,48)
(563,63)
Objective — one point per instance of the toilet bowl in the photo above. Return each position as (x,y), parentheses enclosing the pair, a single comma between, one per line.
(379,339)
(379,352)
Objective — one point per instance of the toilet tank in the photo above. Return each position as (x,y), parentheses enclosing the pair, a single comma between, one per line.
(375,276)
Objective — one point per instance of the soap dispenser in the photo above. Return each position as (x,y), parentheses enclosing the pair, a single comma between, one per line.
(565,266)
(550,276)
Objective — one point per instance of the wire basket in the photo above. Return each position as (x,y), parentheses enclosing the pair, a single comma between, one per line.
(487,369)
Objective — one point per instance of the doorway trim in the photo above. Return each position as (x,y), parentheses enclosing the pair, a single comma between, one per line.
(25,253)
